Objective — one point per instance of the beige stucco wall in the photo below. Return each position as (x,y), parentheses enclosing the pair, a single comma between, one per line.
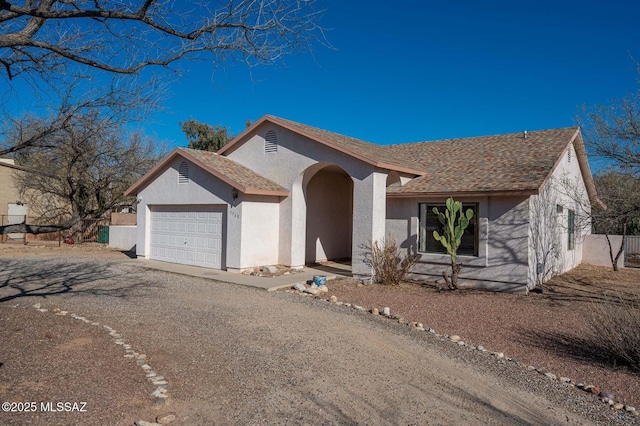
(202,189)
(292,166)
(595,250)
(8,192)
(123,219)
(260,229)
(502,261)
(329,216)
(549,252)
(122,237)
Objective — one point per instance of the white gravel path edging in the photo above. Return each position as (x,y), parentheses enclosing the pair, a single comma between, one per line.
(160,394)
(603,396)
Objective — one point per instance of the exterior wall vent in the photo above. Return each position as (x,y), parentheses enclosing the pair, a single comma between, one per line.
(183,173)
(569,155)
(270,142)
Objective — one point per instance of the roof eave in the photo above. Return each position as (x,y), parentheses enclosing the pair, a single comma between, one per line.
(284,124)
(237,140)
(400,169)
(496,193)
(275,193)
(585,170)
(143,181)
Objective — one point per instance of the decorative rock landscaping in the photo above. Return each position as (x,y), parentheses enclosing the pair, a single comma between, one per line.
(271,271)
(159,394)
(605,397)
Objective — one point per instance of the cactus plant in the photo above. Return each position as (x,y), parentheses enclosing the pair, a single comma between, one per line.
(455,221)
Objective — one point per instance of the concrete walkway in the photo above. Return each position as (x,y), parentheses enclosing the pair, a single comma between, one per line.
(331,271)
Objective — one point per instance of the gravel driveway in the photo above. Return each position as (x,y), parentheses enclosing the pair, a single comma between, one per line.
(234,355)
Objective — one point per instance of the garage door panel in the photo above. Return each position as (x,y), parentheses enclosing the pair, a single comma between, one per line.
(188,236)
(201,243)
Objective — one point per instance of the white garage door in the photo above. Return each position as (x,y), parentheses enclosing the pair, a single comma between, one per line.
(190,235)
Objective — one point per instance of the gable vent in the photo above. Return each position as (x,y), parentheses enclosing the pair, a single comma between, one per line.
(569,155)
(183,173)
(270,142)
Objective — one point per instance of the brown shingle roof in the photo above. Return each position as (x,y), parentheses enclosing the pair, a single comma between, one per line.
(239,176)
(497,163)
(501,163)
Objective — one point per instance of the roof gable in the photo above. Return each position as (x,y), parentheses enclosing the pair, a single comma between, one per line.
(370,153)
(236,175)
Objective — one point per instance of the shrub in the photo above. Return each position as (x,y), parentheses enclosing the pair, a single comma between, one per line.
(615,327)
(388,264)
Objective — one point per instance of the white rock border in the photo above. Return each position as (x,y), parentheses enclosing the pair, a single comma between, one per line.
(160,394)
(603,396)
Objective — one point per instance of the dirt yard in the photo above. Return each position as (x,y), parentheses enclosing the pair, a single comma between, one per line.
(236,355)
(547,330)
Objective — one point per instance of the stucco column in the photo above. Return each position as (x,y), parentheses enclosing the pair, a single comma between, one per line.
(369,215)
(293,216)
(143,230)
(233,232)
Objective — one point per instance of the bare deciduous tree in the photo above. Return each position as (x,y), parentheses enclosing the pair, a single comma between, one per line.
(44,37)
(77,161)
(612,133)
(621,195)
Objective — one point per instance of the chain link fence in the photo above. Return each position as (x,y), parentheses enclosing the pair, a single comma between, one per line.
(632,251)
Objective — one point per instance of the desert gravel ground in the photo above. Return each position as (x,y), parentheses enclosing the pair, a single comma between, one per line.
(548,330)
(235,355)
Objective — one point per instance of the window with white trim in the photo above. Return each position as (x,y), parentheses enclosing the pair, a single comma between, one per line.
(270,142)
(183,173)
(428,222)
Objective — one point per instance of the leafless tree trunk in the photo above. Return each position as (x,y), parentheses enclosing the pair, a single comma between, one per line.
(24,228)
(614,260)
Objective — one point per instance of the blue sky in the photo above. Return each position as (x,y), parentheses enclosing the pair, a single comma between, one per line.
(410,71)
(424,70)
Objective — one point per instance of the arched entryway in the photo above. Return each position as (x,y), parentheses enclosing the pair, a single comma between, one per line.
(328,196)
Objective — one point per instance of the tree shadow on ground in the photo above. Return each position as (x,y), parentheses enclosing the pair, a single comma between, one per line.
(586,348)
(581,291)
(21,278)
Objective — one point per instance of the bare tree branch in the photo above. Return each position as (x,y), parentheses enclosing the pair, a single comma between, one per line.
(118,103)
(78,161)
(612,133)
(126,36)
(23,228)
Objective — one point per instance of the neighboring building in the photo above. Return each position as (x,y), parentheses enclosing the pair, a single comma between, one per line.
(12,208)
(287,193)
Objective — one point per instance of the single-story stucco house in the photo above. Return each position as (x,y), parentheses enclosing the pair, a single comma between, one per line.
(287,193)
